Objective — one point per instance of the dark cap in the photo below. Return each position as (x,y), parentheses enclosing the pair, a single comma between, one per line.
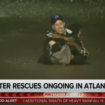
(55,18)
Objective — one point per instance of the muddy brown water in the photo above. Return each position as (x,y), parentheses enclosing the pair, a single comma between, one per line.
(21,45)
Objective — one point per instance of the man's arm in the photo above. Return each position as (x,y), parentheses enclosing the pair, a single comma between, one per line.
(59,36)
(69,41)
(73,43)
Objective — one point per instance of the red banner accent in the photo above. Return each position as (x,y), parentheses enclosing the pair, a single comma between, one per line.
(21,94)
(50,94)
(52,100)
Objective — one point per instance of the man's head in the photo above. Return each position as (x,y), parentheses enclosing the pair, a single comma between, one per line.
(77,31)
(58,24)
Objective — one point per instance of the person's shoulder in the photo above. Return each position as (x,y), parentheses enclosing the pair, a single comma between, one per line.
(49,34)
(68,31)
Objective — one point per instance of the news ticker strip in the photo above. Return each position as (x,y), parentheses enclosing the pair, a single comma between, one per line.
(52,100)
(51,94)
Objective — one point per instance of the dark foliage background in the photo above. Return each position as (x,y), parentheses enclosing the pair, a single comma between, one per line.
(82,10)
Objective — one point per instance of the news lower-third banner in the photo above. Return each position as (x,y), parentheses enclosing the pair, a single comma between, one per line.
(52,91)
(52,85)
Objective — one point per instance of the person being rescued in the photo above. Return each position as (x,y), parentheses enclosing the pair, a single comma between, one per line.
(64,46)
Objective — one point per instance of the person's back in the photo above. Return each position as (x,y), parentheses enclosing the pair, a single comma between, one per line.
(56,51)
(50,47)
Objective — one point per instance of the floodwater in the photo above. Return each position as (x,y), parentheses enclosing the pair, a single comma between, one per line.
(21,45)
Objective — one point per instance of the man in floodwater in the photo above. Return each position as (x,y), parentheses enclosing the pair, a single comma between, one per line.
(61,47)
